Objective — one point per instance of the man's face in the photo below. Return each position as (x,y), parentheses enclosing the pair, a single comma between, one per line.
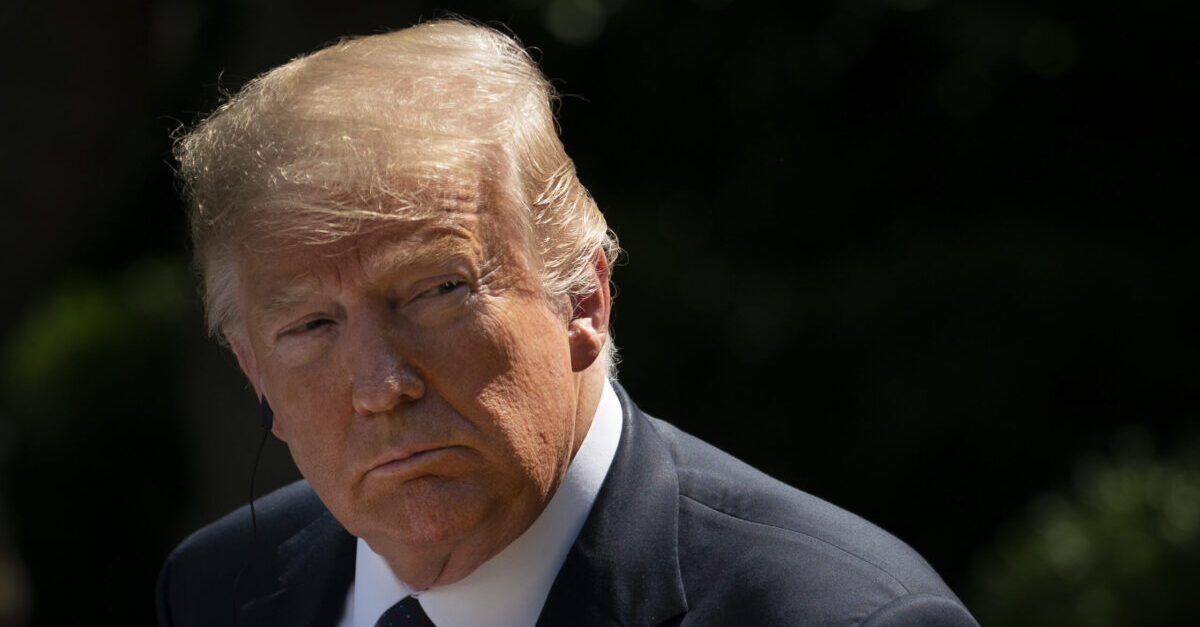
(421,380)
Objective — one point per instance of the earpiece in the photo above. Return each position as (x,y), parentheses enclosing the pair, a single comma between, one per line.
(267,415)
(266,418)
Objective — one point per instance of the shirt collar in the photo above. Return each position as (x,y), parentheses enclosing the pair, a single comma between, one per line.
(509,589)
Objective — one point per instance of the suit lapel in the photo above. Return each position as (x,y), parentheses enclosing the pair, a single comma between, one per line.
(623,569)
(315,566)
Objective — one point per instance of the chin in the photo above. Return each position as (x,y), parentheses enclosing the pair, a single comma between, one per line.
(433,511)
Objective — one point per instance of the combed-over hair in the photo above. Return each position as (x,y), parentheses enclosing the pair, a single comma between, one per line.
(373,129)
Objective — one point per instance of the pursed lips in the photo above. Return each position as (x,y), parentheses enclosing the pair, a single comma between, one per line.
(409,457)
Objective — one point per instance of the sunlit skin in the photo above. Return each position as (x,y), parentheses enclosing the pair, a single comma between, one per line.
(427,389)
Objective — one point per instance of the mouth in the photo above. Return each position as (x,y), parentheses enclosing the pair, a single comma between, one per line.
(410,459)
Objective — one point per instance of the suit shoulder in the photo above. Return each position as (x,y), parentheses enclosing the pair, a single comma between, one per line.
(779,542)
(212,558)
(278,514)
(222,568)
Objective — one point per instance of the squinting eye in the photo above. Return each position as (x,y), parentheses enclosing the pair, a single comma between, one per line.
(447,287)
(314,324)
(307,327)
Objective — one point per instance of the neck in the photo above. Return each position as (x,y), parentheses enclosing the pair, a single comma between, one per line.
(591,387)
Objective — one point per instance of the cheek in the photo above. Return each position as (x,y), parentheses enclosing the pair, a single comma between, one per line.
(311,421)
(314,462)
(491,351)
(531,395)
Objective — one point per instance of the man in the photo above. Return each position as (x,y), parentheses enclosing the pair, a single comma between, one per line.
(397,250)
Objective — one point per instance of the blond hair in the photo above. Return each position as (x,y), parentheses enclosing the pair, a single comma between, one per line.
(364,131)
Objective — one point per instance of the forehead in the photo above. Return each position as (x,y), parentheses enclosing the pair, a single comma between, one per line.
(384,249)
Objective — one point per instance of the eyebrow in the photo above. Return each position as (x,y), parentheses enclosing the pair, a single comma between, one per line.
(439,245)
(289,293)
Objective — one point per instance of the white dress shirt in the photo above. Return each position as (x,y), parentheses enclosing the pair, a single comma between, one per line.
(509,589)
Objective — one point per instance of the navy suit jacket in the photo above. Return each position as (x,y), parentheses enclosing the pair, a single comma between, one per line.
(680,534)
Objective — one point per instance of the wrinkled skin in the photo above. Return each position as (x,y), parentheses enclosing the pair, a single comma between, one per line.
(426,387)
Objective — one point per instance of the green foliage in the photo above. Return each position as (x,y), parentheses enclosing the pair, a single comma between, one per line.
(86,314)
(90,406)
(1120,547)
(76,316)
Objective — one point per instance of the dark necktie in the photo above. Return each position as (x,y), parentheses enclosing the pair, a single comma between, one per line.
(406,613)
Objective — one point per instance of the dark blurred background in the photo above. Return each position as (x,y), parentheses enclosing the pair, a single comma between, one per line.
(926,259)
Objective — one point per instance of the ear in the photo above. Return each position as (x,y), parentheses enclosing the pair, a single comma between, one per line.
(240,345)
(587,330)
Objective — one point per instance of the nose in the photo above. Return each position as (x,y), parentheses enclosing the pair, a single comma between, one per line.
(382,377)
